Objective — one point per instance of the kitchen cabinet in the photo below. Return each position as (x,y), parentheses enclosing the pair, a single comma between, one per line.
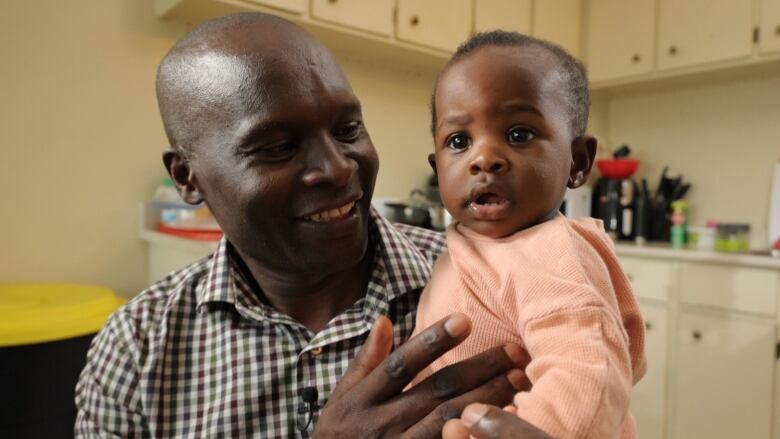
(744,289)
(695,32)
(511,15)
(368,15)
(297,6)
(724,371)
(711,339)
(650,278)
(648,399)
(559,21)
(620,38)
(769,39)
(441,24)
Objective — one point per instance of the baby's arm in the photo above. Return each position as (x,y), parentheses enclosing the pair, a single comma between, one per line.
(581,374)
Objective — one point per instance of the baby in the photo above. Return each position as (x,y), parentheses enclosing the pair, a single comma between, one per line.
(509,119)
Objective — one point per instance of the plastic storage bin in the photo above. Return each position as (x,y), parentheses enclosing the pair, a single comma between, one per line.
(45,332)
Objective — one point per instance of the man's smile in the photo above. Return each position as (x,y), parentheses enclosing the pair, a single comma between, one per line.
(334,214)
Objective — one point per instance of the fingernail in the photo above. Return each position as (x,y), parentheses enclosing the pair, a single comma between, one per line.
(456,325)
(473,414)
(514,353)
(517,379)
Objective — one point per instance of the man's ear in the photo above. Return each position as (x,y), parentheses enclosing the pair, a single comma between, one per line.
(432,162)
(583,152)
(178,167)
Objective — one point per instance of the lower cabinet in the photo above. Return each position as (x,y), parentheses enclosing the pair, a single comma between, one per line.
(711,342)
(648,399)
(723,376)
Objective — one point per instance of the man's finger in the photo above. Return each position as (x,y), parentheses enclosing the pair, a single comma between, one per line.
(490,422)
(390,378)
(498,391)
(374,351)
(465,376)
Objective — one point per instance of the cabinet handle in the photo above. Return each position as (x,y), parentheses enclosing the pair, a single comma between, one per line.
(777,30)
(696,335)
(333,2)
(636,58)
(648,326)
(414,21)
(672,50)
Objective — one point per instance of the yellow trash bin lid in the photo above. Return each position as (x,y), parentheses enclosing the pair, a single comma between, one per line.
(36,313)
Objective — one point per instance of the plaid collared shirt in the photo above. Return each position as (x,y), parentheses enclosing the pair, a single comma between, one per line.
(199,355)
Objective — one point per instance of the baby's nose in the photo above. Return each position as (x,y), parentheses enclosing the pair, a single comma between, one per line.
(488,160)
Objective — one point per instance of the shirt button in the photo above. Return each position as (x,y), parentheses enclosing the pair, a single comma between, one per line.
(315,352)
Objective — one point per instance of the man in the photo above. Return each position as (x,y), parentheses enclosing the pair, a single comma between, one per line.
(251,342)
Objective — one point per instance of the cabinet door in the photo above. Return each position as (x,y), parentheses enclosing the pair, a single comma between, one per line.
(620,37)
(441,24)
(769,40)
(369,15)
(650,278)
(298,6)
(648,399)
(559,21)
(692,32)
(724,376)
(512,15)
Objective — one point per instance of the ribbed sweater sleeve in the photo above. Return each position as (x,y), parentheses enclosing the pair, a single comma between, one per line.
(558,291)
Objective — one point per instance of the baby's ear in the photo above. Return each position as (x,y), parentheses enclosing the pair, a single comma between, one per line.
(583,152)
(432,162)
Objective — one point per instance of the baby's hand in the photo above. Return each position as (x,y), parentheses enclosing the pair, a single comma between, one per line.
(482,421)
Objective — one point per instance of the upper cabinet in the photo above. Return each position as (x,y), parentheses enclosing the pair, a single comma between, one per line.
(368,15)
(769,39)
(514,15)
(693,32)
(297,6)
(559,21)
(441,24)
(620,36)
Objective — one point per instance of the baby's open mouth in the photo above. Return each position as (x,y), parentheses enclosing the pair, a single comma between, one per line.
(487,202)
(488,198)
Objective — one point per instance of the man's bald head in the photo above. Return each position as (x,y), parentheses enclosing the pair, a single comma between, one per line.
(218,71)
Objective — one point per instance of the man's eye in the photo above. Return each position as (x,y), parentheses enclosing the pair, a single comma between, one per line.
(520,135)
(458,142)
(348,132)
(274,151)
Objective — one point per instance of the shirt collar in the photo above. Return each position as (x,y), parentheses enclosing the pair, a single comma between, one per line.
(399,267)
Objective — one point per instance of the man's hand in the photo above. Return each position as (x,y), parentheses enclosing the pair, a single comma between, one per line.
(482,421)
(369,401)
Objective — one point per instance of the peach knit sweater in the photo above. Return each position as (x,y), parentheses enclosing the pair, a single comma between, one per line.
(557,290)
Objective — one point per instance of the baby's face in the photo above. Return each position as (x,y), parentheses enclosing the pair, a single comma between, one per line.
(503,139)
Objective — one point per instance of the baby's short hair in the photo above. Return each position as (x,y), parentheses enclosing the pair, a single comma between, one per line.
(574,75)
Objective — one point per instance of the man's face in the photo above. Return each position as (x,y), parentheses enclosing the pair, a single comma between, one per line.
(285,163)
(503,139)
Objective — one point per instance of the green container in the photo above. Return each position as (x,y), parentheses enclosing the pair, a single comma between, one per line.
(732,238)
(679,231)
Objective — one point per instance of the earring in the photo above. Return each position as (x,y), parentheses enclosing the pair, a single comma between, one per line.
(576,180)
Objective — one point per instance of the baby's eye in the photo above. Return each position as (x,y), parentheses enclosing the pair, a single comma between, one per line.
(520,135)
(458,142)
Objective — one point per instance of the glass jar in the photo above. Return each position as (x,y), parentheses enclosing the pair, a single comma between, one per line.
(732,237)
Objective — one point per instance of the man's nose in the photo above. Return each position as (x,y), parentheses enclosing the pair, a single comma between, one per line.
(328,163)
(487,157)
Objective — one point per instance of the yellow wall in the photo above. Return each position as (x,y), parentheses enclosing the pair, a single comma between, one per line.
(722,134)
(80,136)
(395,109)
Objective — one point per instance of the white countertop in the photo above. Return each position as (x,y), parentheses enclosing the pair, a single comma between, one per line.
(665,251)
